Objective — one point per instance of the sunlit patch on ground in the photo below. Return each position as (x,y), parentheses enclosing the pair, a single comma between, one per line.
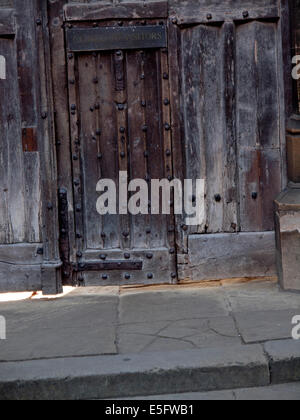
(15,297)
(39,295)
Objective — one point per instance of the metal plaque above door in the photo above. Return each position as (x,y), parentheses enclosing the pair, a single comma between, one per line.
(116,38)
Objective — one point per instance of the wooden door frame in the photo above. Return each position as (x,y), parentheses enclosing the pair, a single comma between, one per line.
(51,266)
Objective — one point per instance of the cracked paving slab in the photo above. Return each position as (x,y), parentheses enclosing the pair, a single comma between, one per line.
(78,325)
(172,305)
(263,326)
(260,296)
(97,321)
(178,335)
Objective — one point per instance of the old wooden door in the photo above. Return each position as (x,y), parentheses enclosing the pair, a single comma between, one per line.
(119,107)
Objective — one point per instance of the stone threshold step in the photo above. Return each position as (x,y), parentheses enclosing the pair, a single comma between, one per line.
(102,377)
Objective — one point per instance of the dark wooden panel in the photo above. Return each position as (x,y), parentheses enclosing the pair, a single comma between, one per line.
(75,140)
(120,106)
(118,123)
(295,13)
(160,266)
(77,12)
(108,145)
(87,105)
(137,148)
(154,140)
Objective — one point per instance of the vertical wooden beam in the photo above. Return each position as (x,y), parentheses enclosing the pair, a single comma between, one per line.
(293,125)
(285,53)
(296,49)
(120,98)
(51,269)
(231,216)
(62,124)
(76,154)
(179,169)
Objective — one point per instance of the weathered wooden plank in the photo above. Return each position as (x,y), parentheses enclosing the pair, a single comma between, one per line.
(32,196)
(230,187)
(193,105)
(220,256)
(176,104)
(18,254)
(228,16)
(221,4)
(154,136)
(98,11)
(208,97)
(257,85)
(260,183)
(212,121)
(27,61)
(194,11)
(12,203)
(258,124)
(89,105)
(20,278)
(7,22)
(108,146)
(137,138)
(27,73)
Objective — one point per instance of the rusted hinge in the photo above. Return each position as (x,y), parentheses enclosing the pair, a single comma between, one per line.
(117,265)
(119,71)
(64,242)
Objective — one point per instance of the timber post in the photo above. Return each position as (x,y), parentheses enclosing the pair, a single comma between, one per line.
(287,205)
(52,264)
